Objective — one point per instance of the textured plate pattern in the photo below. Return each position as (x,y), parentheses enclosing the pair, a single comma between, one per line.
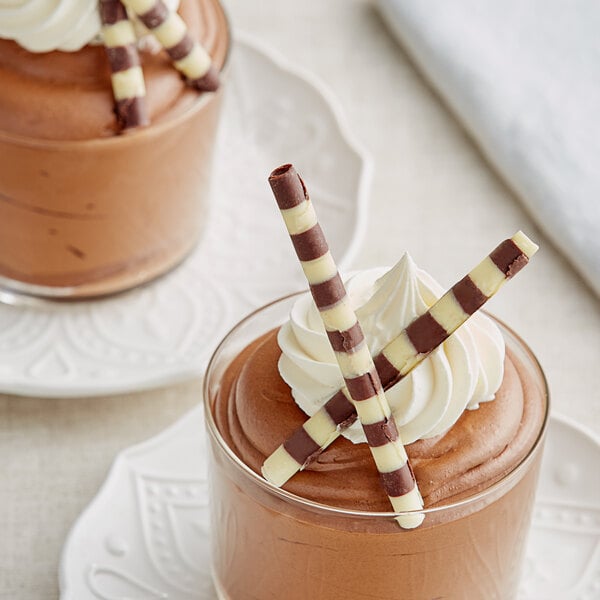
(146,533)
(166,331)
(564,557)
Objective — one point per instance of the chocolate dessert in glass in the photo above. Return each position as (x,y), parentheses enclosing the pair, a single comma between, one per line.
(380,442)
(108,115)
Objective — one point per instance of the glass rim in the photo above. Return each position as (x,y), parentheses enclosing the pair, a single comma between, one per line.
(140,134)
(346,512)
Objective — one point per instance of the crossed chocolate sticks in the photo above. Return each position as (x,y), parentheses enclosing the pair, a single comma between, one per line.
(366,378)
(127,78)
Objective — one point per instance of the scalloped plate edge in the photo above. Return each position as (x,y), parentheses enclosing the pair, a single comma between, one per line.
(173,432)
(367,169)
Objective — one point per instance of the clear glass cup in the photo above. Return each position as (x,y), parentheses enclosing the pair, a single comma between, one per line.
(270,544)
(86,218)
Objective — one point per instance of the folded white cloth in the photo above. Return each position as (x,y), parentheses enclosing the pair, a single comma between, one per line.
(524,78)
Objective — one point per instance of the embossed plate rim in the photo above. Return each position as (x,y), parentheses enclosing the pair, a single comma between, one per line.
(190,421)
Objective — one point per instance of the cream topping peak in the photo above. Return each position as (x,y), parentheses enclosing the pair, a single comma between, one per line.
(465,370)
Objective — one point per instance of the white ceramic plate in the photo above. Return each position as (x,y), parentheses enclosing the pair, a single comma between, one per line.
(166,331)
(145,535)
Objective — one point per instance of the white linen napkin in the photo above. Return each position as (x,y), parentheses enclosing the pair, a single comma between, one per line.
(524,78)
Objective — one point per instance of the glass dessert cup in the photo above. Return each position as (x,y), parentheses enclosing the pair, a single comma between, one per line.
(89,217)
(268,543)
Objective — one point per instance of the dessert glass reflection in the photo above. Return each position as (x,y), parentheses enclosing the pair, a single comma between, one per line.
(85,211)
(328,533)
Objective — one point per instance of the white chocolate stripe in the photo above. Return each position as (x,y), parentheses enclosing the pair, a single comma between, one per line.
(299,218)
(118,34)
(448,312)
(128,84)
(140,7)
(339,318)
(279,467)
(407,503)
(171,31)
(354,364)
(320,269)
(487,277)
(401,353)
(321,429)
(404,503)
(196,64)
(525,245)
(370,411)
(390,457)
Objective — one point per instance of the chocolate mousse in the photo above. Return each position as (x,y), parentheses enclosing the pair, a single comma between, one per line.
(255,410)
(85,210)
(471,549)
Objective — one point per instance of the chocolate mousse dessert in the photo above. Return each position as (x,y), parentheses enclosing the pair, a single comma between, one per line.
(108,115)
(306,496)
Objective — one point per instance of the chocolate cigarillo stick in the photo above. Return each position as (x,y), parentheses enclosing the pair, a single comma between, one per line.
(187,55)
(403,354)
(348,343)
(126,77)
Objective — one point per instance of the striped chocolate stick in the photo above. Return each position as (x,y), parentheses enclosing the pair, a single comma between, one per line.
(126,77)
(403,354)
(345,335)
(187,55)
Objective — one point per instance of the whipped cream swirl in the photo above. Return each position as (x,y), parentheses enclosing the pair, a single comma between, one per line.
(46,25)
(465,370)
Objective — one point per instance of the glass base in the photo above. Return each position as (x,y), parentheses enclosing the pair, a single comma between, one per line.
(218,588)
(19,293)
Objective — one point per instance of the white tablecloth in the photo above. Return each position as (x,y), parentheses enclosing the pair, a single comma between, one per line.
(522,76)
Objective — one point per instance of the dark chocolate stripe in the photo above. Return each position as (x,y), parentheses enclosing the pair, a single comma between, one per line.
(468,295)
(341,410)
(122,58)
(509,258)
(112,11)
(208,82)
(310,244)
(381,433)
(131,112)
(329,292)
(362,387)
(387,372)
(156,16)
(288,188)
(426,333)
(399,482)
(301,447)
(182,48)
(347,340)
